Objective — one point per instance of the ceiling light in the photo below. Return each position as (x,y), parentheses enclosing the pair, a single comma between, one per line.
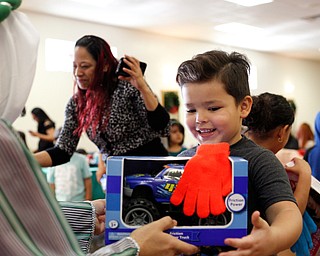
(97,3)
(238,28)
(249,3)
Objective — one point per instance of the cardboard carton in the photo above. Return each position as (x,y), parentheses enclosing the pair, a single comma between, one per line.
(138,191)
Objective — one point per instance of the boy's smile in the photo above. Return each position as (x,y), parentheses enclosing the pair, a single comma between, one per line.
(212,115)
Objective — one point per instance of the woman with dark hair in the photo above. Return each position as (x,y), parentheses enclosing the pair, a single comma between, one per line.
(46,129)
(120,114)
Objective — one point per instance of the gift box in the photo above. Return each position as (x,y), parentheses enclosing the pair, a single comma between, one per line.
(138,191)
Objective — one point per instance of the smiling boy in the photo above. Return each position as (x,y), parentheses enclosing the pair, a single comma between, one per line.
(216,95)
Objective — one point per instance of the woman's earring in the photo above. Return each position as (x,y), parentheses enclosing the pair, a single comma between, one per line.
(279,140)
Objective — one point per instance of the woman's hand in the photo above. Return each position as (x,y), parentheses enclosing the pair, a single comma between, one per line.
(33,133)
(136,79)
(153,241)
(135,72)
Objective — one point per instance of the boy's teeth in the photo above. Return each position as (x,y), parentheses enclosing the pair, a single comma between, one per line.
(205,130)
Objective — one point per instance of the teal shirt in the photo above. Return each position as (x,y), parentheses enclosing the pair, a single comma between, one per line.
(177,153)
(69,178)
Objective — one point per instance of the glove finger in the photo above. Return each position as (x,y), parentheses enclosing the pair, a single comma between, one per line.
(190,202)
(179,193)
(226,188)
(203,204)
(217,205)
(227,180)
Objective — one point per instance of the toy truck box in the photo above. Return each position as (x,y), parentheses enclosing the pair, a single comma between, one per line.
(138,191)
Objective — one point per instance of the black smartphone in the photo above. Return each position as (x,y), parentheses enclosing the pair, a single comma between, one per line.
(122,64)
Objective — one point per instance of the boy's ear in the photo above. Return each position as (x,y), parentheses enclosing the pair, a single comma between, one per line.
(245,106)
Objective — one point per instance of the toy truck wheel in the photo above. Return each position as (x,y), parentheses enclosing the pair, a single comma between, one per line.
(139,212)
(220,220)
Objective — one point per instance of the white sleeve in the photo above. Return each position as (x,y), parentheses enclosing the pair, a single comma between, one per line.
(124,247)
(19,48)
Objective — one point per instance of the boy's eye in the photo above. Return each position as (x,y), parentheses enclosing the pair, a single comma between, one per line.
(191,110)
(214,108)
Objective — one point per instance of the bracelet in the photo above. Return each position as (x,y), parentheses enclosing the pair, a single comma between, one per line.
(135,245)
(125,247)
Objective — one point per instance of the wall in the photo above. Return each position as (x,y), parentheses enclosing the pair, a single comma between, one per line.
(51,90)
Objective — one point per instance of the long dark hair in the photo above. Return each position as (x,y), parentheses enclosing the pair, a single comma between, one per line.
(93,103)
(40,114)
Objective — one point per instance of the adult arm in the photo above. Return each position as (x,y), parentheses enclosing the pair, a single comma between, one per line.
(49,136)
(158,117)
(150,240)
(86,220)
(43,158)
(67,142)
(137,80)
(52,157)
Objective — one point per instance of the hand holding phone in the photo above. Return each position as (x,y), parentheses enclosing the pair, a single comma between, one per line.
(122,64)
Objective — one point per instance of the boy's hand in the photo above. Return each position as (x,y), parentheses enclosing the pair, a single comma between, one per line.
(255,244)
(206,179)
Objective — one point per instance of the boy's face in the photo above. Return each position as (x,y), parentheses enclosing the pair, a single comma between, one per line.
(212,115)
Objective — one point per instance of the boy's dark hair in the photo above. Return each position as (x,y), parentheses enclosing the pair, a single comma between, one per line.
(230,69)
(268,111)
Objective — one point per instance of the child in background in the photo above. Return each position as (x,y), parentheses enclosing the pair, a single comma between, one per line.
(71,181)
(216,94)
(305,138)
(269,125)
(176,138)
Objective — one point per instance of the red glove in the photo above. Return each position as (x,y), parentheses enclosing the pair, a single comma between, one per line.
(206,180)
